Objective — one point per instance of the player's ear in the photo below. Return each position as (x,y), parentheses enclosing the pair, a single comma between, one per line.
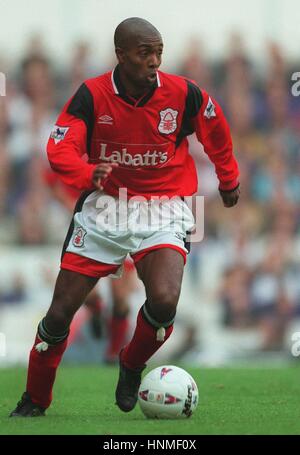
(120,54)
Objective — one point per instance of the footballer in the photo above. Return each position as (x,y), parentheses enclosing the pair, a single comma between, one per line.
(132,124)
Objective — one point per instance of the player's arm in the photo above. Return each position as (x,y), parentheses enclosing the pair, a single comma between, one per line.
(213,132)
(70,140)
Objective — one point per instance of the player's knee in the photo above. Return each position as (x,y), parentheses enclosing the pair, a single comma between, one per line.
(58,319)
(167,296)
(60,313)
(163,304)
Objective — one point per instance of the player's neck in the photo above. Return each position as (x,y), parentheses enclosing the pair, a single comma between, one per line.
(131,89)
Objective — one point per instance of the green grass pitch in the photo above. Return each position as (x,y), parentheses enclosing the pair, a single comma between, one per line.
(248,401)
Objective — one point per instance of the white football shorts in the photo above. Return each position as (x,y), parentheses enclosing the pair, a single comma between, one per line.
(106,229)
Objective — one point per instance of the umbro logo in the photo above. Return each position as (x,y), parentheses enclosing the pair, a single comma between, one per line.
(105,119)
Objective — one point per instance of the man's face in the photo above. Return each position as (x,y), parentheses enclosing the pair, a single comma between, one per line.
(141,59)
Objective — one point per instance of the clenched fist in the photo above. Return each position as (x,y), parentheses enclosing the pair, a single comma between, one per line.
(230,198)
(101,172)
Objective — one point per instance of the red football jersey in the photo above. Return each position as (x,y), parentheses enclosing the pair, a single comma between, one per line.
(147,137)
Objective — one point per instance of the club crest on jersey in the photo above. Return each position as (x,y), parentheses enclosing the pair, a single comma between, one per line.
(78,238)
(210,110)
(168,123)
(59,133)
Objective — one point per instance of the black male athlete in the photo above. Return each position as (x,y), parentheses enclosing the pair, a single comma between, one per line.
(132,125)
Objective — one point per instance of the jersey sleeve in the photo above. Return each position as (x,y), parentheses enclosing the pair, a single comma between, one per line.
(212,130)
(70,140)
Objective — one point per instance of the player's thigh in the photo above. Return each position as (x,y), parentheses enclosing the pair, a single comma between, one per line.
(70,291)
(126,284)
(161,272)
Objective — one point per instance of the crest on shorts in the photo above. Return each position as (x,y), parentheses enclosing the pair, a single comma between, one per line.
(168,123)
(78,237)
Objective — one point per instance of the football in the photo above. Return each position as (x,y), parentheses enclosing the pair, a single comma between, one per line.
(168,392)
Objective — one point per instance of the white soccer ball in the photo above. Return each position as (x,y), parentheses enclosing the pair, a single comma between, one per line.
(168,392)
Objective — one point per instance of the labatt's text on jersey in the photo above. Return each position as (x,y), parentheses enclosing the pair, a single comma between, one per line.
(150,158)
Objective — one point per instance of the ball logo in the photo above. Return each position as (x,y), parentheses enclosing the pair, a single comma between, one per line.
(168,123)
(79,235)
(188,403)
(160,397)
(144,395)
(194,387)
(164,371)
(170,399)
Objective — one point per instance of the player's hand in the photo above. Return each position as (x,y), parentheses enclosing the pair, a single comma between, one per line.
(101,172)
(230,198)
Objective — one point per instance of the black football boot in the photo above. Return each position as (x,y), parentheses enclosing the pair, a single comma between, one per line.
(26,408)
(128,386)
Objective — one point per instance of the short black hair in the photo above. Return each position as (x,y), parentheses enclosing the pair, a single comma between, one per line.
(131,28)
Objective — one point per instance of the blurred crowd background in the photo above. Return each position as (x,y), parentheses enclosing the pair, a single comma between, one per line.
(242,284)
